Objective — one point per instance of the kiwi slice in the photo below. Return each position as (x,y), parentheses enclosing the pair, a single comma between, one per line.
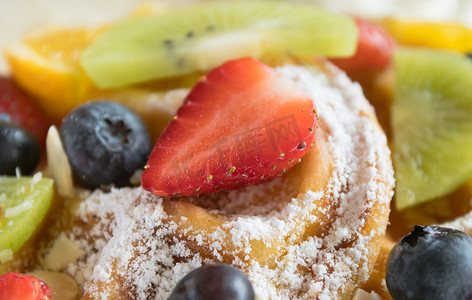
(24,202)
(432,124)
(204,36)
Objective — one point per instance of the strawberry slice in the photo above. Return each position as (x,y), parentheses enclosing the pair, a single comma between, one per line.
(14,286)
(18,108)
(374,49)
(243,123)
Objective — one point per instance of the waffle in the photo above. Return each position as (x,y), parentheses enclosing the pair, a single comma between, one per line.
(315,232)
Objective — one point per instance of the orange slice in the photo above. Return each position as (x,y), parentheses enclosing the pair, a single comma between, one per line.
(449,36)
(45,63)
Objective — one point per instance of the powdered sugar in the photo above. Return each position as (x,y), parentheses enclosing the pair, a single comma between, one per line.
(138,249)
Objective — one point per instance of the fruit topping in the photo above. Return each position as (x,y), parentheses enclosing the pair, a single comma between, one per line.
(62,286)
(432,127)
(374,49)
(452,36)
(18,108)
(14,286)
(156,107)
(243,123)
(204,36)
(24,203)
(46,64)
(431,263)
(212,282)
(18,149)
(105,143)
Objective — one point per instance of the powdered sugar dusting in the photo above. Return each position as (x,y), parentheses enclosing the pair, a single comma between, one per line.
(136,249)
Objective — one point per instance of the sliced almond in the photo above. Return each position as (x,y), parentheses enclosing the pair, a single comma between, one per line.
(62,286)
(58,163)
(363,295)
(62,253)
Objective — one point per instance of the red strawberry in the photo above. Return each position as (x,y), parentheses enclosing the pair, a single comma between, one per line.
(18,108)
(14,286)
(241,124)
(374,49)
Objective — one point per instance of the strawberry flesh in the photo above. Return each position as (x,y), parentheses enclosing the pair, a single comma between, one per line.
(243,123)
(374,49)
(14,286)
(18,108)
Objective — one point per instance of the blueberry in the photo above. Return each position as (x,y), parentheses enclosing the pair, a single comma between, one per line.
(18,148)
(212,282)
(431,263)
(105,143)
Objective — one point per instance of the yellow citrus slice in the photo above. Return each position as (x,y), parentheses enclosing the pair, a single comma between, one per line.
(45,63)
(449,36)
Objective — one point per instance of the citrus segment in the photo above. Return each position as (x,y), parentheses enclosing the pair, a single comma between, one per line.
(45,64)
(434,35)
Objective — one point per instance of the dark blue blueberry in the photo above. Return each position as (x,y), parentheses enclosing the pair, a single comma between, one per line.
(18,148)
(431,263)
(214,282)
(469,55)
(105,143)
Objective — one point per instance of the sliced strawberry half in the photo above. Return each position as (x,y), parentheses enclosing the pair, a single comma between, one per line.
(243,123)
(14,286)
(374,49)
(18,108)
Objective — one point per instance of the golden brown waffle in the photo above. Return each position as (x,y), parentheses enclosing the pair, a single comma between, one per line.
(315,232)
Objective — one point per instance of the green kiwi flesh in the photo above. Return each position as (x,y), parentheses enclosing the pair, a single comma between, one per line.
(24,202)
(204,36)
(432,124)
